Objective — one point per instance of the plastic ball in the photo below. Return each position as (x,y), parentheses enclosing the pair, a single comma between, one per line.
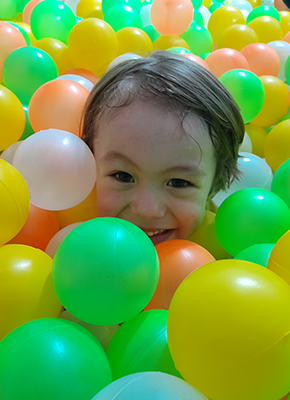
(58,104)
(263,10)
(280,182)
(133,40)
(279,258)
(197,60)
(83,211)
(177,258)
(149,385)
(246,145)
(8,9)
(25,70)
(267,29)
(40,226)
(122,16)
(12,118)
(223,327)
(145,15)
(285,22)
(223,60)
(171,17)
(78,79)
(276,102)
(122,58)
(237,37)
(257,135)
(258,254)
(103,334)
(85,73)
(283,50)
(101,284)
(11,39)
(243,219)
(57,238)
(146,336)
(222,18)
(165,42)
(108,4)
(58,51)
(247,90)
(52,19)
(26,287)
(57,351)
(14,202)
(198,39)
(26,13)
(254,173)
(262,59)
(58,167)
(8,153)
(89,9)
(93,45)
(206,237)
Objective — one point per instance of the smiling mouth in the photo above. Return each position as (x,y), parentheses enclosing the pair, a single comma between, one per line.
(158,232)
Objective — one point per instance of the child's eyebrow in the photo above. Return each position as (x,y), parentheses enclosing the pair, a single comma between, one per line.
(192,168)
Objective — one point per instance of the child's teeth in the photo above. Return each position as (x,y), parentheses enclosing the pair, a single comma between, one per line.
(155,233)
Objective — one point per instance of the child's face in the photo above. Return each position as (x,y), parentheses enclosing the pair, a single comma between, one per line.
(151,173)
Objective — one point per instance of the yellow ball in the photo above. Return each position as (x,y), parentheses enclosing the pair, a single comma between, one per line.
(267,29)
(58,51)
(228,326)
(276,102)
(26,290)
(89,9)
(14,201)
(285,21)
(222,18)
(237,37)
(279,258)
(165,42)
(206,237)
(277,145)
(93,45)
(12,118)
(257,135)
(133,40)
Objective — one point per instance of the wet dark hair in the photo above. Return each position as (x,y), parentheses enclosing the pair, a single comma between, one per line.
(181,86)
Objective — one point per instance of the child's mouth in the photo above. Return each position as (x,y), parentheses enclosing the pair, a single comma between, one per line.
(158,236)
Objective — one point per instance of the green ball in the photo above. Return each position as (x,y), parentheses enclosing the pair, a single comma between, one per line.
(247,90)
(28,131)
(198,39)
(22,31)
(25,70)
(52,19)
(178,50)
(262,11)
(251,216)
(49,359)
(8,9)
(105,271)
(107,4)
(280,182)
(151,32)
(122,16)
(197,17)
(287,69)
(257,254)
(21,4)
(140,345)
(215,4)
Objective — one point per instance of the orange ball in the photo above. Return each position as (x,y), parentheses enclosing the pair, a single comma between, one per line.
(40,226)
(196,59)
(262,59)
(11,39)
(286,38)
(223,60)
(178,258)
(85,73)
(171,17)
(58,104)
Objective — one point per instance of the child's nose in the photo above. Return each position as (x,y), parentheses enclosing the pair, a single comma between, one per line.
(148,203)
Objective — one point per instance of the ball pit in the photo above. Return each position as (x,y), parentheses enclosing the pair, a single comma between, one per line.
(77,41)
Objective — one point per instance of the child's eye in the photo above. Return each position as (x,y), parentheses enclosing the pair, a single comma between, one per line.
(123,177)
(179,184)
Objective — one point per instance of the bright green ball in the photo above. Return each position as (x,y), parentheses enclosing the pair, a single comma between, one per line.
(105,271)
(52,19)
(198,39)
(8,9)
(122,16)
(49,359)
(107,4)
(263,11)
(251,216)
(257,254)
